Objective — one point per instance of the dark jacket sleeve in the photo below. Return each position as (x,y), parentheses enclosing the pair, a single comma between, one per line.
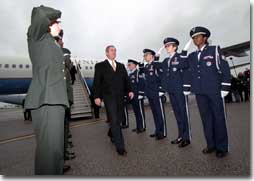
(159,72)
(183,64)
(187,75)
(226,77)
(225,71)
(127,82)
(40,21)
(97,84)
(141,84)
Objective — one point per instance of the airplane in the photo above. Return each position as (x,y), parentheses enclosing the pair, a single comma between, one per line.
(16,73)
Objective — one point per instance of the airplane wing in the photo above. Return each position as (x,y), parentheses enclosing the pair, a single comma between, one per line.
(238,50)
(240,65)
(13,99)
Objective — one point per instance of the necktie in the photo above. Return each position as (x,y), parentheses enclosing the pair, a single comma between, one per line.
(169,60)
(199,53)
(114,65)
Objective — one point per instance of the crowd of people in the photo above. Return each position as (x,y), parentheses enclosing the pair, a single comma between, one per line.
(202,72)
(240,87)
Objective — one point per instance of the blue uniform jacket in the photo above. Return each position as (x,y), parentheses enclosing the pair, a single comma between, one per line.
(152,80)
(172,73)
(137,83)
(208,75)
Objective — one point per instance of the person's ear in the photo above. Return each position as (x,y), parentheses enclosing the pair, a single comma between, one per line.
(205,38)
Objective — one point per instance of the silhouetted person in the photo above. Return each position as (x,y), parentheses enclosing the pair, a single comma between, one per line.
(73,72)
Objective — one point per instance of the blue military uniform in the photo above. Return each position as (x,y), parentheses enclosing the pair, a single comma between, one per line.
(208,75)
(172,81)
(152,87)
(137,84)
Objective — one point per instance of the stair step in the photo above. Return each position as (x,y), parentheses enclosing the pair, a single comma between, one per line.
(82,105)
(85,115)
(80,112)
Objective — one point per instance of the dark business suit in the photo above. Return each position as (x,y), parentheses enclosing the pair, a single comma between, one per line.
(111,86)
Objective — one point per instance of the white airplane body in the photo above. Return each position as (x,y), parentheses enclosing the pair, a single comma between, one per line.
(16,73)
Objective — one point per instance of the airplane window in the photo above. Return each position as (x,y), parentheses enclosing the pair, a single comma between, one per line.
(20,66)
(13,65)
(6,66)
(0,65)
(91,68)
(86,67)
(27,66)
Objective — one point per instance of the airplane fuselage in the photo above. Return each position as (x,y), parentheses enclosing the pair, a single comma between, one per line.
(16,75)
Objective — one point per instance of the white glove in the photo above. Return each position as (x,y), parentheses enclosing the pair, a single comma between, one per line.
(224,93)
(186,93)
(187,46)
(160,50)
(161,94)
(140,97)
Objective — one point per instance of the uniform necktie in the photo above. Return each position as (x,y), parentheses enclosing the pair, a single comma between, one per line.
(169,60)
(199,53)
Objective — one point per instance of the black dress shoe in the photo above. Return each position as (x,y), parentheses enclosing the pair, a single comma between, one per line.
(221,154)
(121,152)
(177,141)
(70,144)
(160,137)
(184,143)
(208,150)
(141,130)
(152,135)
(69,157)
(69,153)
(124,127)
(134,130)
(109,132)
(66,168)
(110,135)
(70,136)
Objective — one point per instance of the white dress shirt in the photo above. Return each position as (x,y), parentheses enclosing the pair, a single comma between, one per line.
(111,63)
(201,49)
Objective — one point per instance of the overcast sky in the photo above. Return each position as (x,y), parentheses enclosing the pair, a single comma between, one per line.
(131,25)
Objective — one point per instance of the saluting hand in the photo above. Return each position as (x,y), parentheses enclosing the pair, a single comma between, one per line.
(97,101)
(131,95)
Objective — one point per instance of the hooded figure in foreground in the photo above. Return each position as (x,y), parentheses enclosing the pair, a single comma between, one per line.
(47,96)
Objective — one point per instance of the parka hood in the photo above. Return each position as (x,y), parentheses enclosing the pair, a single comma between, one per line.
(40,20)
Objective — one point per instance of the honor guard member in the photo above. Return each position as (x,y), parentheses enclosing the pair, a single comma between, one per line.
(172,81)
(47,96)
(137,84)
(125,122)
(67,62)
(209,78)
(67,135)
(154,92)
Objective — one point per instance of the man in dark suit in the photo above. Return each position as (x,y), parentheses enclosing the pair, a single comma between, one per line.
(111,84)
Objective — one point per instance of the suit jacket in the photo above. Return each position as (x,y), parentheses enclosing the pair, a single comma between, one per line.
(48,86)
(109,83)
